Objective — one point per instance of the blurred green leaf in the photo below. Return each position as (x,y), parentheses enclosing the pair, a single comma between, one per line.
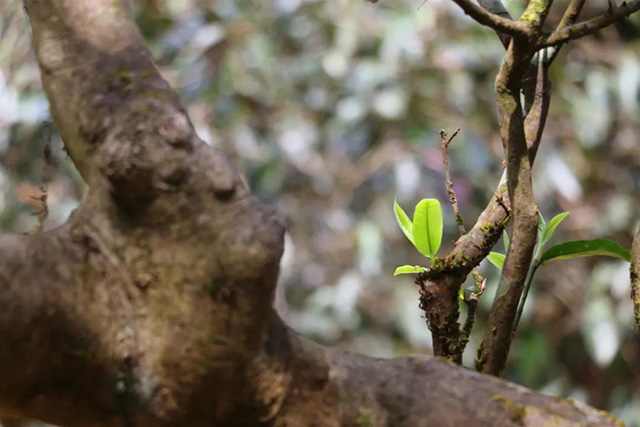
(427,227)
(505,239)
(496,259)
(403,221)
(409,269)
(583,248)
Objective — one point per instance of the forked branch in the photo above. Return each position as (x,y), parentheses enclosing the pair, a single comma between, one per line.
(591,26)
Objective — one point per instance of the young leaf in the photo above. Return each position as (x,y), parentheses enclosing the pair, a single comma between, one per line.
(403,221)
(408,269)
(542,224)
(551,227)
(427,227)
(505,240)
(583,248)
(496,259)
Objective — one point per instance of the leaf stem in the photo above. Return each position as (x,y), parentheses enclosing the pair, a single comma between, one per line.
(527,285)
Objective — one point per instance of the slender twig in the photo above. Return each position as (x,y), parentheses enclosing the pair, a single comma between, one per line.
(536,118)
(585,28)
(472,304)
(569,18)
(527,285)
(635,277)
(571,13)
(471,301)
(453,201)
(465,333)
(492,20)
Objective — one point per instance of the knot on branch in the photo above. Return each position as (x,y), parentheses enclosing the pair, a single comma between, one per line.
(147,153)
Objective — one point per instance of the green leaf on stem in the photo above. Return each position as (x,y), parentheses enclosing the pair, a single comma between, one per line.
(542,224)
(551,227)
(408,269)
(427,227)
(583,248)
(403,221)
(496,259)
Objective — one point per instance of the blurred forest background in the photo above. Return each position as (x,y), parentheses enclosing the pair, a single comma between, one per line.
(331,109)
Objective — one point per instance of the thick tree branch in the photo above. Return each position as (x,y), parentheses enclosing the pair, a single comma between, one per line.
(152,305)
(492,355)
(391,393)
(582,29)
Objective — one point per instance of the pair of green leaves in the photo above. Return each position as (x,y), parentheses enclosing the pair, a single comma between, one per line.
(566,250)
(425,231)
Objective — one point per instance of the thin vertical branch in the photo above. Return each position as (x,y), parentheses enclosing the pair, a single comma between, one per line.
(536,117)
(470,298)
(635,277)
(453,201)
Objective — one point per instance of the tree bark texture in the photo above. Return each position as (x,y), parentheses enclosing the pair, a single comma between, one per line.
(152,305)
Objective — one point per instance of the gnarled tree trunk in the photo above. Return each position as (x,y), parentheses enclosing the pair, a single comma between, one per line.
(152,305)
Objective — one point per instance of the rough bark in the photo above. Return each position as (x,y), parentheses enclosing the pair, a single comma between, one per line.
(151,306)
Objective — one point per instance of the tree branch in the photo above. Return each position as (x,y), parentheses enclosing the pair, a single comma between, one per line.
(635,277)
(569,18)
(492,355)
(449,396)
(142,310)
(582,29)
(496,7)
(536,13)
(571,14)
(536,117)
(453,201)
(498,23)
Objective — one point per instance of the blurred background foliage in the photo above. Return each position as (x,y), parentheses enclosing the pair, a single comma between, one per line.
(331,109)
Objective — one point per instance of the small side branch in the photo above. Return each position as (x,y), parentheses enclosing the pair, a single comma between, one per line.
(571,13)
(492,20)
(536,118)
(444,148)
(496,7)
(569,18)
(585,28)
(470,298)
